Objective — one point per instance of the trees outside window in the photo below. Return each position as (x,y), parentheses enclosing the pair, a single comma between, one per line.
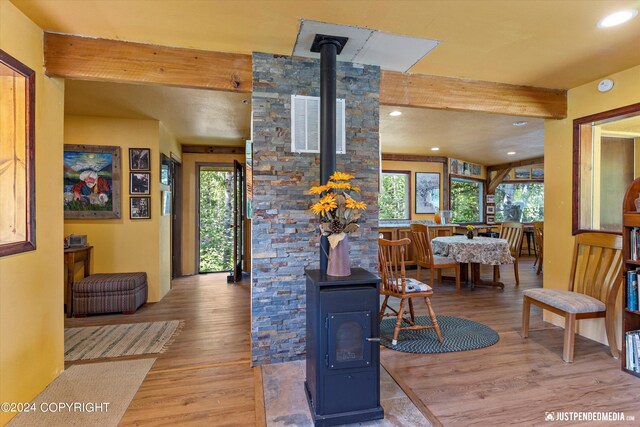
(394,196)
(467,200)
(520,202)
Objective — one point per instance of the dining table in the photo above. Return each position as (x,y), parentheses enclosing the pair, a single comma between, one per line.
(474,252)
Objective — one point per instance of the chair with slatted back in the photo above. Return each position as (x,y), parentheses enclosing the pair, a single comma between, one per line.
(427,259)
(596,276)
(395,283)
(538,240)
(512,232)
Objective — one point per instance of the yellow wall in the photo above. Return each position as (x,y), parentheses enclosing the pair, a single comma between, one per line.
(125,245)
(31,283)
(558,145)
(189,161)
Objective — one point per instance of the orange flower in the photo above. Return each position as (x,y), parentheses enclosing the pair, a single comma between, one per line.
(329,198)
(353,204)
(323,208)
(339,185)
(355,189)
(341,176)
(319,189)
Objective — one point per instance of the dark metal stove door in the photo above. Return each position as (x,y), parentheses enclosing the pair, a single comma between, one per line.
(347,340)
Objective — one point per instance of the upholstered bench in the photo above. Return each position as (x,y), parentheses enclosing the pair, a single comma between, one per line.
(109,293)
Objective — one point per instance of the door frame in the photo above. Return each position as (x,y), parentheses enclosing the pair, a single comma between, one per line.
(176,217)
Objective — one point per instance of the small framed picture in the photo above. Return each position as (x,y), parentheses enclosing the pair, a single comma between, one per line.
(491,219)
(166,203)
(491,198)
(523,173)
(140,207)
(491,209)
(139,159)
(140,183)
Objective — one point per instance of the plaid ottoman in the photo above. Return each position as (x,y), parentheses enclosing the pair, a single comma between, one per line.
(109,293)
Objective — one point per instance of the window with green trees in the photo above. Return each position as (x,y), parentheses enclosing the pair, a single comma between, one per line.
(520,202)
(216,219)
(394,196)
(466,200)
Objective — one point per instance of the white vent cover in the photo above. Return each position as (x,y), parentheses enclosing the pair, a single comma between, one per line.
(305,124)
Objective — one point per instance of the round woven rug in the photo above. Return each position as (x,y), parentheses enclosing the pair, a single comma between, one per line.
(457,335)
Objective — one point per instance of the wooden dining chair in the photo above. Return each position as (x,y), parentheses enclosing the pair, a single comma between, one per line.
(395,283)
(596,275)
(427,259)
(512,232)
(538,240)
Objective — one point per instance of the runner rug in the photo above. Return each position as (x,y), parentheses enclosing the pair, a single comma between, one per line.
(97,342)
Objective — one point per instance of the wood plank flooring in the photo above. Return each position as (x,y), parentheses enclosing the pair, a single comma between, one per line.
(204,378)
(515,381)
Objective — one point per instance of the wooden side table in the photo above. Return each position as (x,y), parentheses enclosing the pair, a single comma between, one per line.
(71,257)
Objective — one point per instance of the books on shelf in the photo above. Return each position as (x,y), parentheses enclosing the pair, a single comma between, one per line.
(633,350)
(633,298)
(634,243)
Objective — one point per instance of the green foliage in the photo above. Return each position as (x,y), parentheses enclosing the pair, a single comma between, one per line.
(393,197)
(216,221)
(527,202)
(465,201)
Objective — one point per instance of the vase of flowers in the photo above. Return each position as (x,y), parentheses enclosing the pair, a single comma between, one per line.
(339,213)
(469,231)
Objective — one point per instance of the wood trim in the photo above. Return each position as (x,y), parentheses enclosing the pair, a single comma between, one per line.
(449,93)
(88,58)
(176,220)
(528,162)
(213,149)
(499,178)
(413,158)
(405,172)
(261,416)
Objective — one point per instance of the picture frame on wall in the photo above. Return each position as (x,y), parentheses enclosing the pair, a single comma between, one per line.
(140,207)
(537,173)
(523,173)
(139,159)
(491,198)
(17,157)
(140,183)
(91,181)
(491,209)
(491,219)
(427,193)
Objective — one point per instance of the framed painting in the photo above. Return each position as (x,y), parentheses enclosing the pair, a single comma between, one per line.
(17,157)
(140,183)
(491,198)
(140,207)
(523,173)
(491,209)
(491,219)
(139,159)
(91,181)
(427,194)
(537,173)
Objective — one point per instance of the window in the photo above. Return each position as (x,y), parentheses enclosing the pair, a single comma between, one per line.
(467,200)
(521,202)
(305,124)
(394,195)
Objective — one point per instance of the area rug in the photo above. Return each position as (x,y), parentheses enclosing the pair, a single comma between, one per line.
(93,394)
(97,342)
(457,335)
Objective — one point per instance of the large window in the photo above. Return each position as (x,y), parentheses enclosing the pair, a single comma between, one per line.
(467,200)
(394,195)
(521,202)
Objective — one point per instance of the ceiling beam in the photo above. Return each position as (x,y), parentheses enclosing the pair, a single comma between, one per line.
(413,158)
(86,58)
(448,93)
(493,183)
(528,162)
(213,149)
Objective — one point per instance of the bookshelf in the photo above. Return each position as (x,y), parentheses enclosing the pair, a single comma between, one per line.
(630,221)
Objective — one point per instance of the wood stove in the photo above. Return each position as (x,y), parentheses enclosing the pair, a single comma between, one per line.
(343,350)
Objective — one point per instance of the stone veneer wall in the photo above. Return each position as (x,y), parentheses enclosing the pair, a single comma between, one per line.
(284,237)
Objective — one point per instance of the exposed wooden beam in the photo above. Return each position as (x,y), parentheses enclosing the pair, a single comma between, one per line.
(534,161)
(493,184)
(448,93)
(212,149)
(412,158)
(88,58)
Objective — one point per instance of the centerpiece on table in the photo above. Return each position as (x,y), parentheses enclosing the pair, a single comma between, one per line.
(339,213)
(470,231)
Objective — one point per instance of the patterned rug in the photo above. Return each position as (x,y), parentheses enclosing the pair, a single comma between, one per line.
(97,342)
(457,335)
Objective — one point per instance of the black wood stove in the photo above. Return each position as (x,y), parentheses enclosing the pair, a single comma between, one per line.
(343,350)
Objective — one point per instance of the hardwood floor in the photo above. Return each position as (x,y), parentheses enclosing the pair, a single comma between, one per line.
(204,378)
(515,381)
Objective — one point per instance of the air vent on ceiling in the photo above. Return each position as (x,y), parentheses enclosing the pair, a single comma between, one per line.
(305,124)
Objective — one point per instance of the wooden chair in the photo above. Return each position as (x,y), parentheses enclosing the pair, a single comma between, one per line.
(425,257)
(538,240)
(511,232)
(391,258)
(596,275)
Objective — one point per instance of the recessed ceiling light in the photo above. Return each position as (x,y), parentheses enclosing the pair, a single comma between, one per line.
(520,123)
(511,153)
(617,18)
(395,113)
(435,148)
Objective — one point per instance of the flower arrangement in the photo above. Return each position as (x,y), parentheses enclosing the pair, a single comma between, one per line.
(339,211)
(470,228)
